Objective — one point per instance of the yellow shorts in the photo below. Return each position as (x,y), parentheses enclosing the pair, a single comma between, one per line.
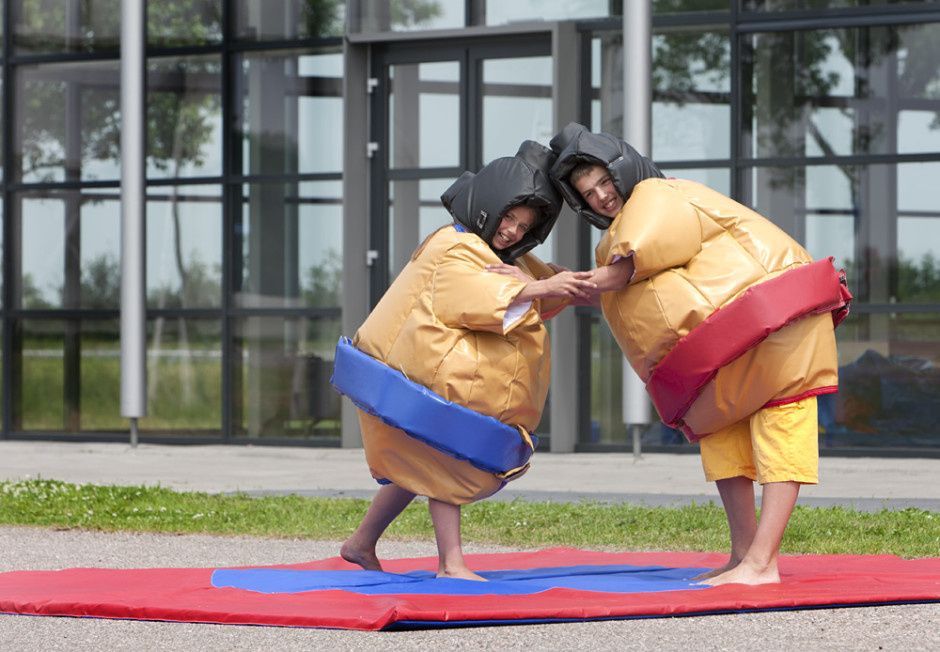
(775,444)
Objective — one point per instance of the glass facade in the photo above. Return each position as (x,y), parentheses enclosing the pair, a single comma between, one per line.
(823,115)
(244,124)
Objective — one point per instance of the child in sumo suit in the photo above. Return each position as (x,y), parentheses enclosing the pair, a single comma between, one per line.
(727,320)
(472,338)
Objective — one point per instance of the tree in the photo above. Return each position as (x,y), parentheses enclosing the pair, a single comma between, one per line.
(323,283)
(101,283)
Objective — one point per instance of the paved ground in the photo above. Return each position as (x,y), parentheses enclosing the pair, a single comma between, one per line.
(866,483)
(656,479)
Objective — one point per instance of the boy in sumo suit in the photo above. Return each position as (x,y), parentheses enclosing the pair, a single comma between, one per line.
(726,319)
(472,337)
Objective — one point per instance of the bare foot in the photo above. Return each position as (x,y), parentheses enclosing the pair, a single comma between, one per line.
(365,558)
(746,574)
(716,571)
(460,574)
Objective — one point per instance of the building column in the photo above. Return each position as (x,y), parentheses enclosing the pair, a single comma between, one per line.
(566,384)
(355,301)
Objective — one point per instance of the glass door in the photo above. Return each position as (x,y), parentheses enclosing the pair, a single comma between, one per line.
(439,109)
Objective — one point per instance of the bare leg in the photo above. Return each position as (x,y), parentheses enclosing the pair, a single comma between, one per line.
(737,496)
(446,519)
(759,565)
(389,502)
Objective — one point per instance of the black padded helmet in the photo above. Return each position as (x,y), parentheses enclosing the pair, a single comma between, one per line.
(479,201)
(575,144)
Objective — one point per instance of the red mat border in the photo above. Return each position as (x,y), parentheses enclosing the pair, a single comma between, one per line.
(186,594)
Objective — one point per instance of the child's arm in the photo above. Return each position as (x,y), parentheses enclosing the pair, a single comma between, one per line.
(566,284)
(609,278)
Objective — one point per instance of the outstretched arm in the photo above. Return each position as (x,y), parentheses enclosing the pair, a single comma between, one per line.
(564,284)
(614,276)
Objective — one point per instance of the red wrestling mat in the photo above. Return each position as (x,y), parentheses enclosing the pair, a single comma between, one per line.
(559,584)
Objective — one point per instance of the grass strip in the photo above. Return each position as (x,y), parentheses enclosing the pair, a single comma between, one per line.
(55,504)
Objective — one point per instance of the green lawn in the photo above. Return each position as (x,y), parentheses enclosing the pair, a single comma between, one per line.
(48,503)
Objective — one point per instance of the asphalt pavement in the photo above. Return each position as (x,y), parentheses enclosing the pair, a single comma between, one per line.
(656,479)
(865,483)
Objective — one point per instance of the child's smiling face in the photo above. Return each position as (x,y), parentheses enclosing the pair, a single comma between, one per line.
(598,190)
(515,224)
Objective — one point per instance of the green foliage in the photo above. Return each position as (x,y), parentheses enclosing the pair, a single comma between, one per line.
(413,13)
(680,59)
(180,122)
(101,283)
(32,297)
(919,282)
(183,22)
(50,503)
(200,287)
(323,285)
(324,17)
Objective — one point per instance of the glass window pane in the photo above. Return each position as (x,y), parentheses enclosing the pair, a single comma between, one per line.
(414,211)
(691,95)
(822,208)
(70,376)
(424,115)
(879,222)
(889,382)
(831,234)
(517,104)
(918,234)
(68,121)
(39,352)
(100,377)
(69,249)
(842,91)
(791,5)
(919,259)
(3,280)
(501,12)
(282,370)
(184,377)
(2,114)
(606,387)
(691,108)
(607,83)
(919,131)
(184,117)
(184,247)
(174,23)
(407,15)
(291,112)
(691,112)
(41,26)
(291,243)
(715,178)
(274,20)
(917,187)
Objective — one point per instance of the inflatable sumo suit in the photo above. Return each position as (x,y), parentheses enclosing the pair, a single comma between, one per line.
(725,313)
(449,383)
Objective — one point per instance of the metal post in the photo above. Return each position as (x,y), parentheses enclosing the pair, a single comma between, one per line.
(566,385)
(133,308)
(356,101)
(637,107)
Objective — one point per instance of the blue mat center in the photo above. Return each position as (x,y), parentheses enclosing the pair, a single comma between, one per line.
(605,579)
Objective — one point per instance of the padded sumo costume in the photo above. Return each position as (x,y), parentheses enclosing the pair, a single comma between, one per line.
(725,313)
(449,384)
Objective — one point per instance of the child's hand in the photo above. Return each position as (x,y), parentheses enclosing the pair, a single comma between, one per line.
(569,285)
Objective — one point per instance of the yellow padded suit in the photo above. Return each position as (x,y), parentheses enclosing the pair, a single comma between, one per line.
(443,323)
